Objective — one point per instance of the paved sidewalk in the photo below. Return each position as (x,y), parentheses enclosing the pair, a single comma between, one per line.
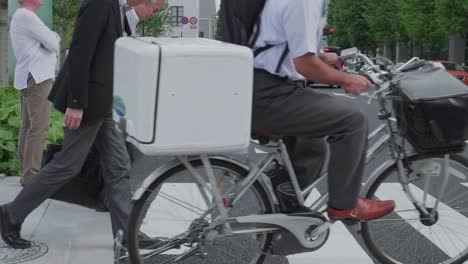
(69,234)
(63,233)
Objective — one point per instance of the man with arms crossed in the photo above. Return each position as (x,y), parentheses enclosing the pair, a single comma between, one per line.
(36,48)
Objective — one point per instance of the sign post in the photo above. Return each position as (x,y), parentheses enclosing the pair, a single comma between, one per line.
(184,20)
(193,22)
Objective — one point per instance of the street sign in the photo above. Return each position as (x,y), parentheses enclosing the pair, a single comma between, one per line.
(193,20)
(184,20)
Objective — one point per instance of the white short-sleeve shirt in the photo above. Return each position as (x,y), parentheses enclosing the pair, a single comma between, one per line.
(298,23)
(35,47)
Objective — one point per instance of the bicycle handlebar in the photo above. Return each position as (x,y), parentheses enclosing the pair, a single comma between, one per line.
(413,66)
(373,72)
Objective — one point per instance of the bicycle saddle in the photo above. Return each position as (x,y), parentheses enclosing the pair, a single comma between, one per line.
(264,136)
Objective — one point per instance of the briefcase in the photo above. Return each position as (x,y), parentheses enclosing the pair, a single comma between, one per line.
(85,189)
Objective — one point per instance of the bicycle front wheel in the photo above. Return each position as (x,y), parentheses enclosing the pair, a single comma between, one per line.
(175,212)
(409,235)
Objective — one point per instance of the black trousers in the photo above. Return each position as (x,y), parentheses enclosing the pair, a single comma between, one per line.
(313,119)
(68,163)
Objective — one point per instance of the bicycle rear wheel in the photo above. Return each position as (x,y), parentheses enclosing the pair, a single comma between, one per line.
(174,211)
(407,236)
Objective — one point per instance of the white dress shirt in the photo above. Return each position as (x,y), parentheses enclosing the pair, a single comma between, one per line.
(298,23)
(132,17)
(35,47)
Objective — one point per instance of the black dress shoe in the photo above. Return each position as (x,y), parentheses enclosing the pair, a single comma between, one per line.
(11,233)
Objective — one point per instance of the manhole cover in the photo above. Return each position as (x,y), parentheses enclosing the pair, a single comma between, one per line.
(13,256)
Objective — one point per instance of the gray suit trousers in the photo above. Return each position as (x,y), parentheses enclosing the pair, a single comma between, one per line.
(314,118)
(67,164)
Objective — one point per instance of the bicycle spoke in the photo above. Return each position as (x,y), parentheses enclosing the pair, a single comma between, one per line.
(440,244)
(453,192)
(450,239)
(456,198)
(458,202)
(183,204)
(456,234)
(196,225)
(399,227)
(391,227)
(445,237)
(159,251)
(449,209)
(457,223)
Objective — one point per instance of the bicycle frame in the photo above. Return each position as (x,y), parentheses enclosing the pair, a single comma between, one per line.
(257,169)
(388,137)
(384,135)
(256,173)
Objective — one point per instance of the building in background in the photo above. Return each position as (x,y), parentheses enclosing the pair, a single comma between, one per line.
(207,22)
(192,18)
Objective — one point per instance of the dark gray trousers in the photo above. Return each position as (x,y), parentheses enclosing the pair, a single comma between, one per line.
(68,163)
(314,118)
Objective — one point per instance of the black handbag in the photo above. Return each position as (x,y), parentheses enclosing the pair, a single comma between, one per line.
(85,189)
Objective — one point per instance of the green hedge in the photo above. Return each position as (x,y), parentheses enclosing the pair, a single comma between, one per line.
(10,122)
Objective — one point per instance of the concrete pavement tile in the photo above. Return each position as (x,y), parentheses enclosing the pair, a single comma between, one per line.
(71,234)
(10,187)
(75,235)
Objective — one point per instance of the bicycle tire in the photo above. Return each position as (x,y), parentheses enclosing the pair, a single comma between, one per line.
(366,233)
(139,206)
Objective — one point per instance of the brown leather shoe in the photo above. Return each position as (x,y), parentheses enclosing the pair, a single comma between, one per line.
(365,210)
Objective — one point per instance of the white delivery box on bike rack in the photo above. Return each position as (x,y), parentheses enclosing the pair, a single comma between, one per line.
(175,96)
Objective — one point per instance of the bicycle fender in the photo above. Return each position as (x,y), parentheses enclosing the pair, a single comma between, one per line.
(153,177)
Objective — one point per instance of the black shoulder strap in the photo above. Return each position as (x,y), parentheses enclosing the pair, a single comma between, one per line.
(262,49)
(283,57)
(256,34)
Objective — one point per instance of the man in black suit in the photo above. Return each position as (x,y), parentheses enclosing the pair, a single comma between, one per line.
(84,92)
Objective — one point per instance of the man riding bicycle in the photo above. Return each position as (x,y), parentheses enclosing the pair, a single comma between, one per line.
(287,53)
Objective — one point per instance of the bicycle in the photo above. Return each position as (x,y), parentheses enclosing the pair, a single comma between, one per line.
(205,204)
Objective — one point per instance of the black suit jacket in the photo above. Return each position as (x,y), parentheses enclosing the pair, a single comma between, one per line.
(86,78)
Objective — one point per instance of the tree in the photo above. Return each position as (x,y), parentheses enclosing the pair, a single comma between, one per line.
(65,12)
(452,16)
(420,22)
(384,24)
(351,28)
(155,26)
(4,78)
(219,28)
